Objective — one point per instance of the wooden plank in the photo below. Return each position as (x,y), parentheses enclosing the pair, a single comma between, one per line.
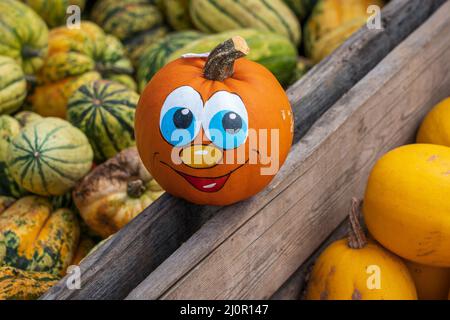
(249,250)
(127,258)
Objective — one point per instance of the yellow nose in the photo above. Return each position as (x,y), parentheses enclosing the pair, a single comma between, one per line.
(200,156)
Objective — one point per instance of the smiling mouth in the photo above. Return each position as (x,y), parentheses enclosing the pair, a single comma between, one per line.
(206,184)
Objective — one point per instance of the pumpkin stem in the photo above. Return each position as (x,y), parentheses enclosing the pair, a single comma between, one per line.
(135,188)
(28,52)
(220,63)
(356,236)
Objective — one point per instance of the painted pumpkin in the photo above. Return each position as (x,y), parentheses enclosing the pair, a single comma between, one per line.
(17,284)
(33,237)
(76,57)
(24,35)
(435,129)
(359,269)
(13,86)
(54,11)
(406,205)
(332,22)
(115,192)
(104,111)
(432,283)
(49,157)
(216,130)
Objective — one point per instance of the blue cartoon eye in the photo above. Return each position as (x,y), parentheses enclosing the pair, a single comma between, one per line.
(227,129)
(226,120)
(179,119)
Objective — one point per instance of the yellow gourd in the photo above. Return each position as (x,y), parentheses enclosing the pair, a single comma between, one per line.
(432,283)
(406,205)
(359,269)
(435,129)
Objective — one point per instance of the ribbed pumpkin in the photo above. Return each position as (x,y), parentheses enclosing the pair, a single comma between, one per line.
(9,128)
(24,35)
(104,111)
(273,51)
(159,53)
(76,56)
(331,23)
(435,129)
(115,192)
(213,16)
(344,270)
(49,157)
(13,86)
(17,284)
(406,205)
(301,8)
(432,283)
(137,23)
(54,11)
(33,237)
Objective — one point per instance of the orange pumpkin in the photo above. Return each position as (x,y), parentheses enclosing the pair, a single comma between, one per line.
(214,130)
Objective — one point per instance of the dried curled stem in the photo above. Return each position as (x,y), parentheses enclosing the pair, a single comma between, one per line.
(220,63)
(356,236)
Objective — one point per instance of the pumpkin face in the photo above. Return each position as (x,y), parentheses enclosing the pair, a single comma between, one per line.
(199,137)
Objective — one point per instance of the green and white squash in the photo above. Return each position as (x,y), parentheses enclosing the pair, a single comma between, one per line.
(54,11)
(24,35)
(49,157)
(177,14)
(104,111)
(26,117)
(13,86)
(156,56)
(9,128)
(213,16)
(273,51)
(301,8)
(137,23)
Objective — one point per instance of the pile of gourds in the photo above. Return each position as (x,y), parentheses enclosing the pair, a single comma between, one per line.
(69,172)
(407,212)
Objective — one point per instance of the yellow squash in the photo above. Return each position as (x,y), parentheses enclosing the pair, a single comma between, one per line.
(359,269)
(435,129)
(432,283)
(35,238)
(406,205)
(332,22)
(17,284)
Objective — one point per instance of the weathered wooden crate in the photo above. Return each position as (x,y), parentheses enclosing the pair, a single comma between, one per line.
(366,98)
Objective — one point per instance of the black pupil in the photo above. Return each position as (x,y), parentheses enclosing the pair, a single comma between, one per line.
(183,118)
(232,122)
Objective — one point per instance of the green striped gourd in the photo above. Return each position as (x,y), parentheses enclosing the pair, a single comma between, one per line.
(9,128)
(273,51)
(54,11)
(49,157)
(177,14)
(156,56)
(24,35)
(104,111)
(301,8)
(16,284)
(137,23)
(13,86)
(214,16)
(26,117)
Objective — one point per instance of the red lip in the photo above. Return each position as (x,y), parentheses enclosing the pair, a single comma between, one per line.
(206,184)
